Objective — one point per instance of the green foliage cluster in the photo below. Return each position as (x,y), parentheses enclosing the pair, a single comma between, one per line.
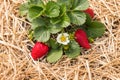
(49,19)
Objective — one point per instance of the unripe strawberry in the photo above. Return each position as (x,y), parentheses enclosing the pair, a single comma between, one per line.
(81,38)
(39,50)
(90,12)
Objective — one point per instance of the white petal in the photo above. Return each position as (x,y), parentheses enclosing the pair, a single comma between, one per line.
(65,43)
(66,34)
(59,38)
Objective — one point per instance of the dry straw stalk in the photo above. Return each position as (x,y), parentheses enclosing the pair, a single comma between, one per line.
(101,63)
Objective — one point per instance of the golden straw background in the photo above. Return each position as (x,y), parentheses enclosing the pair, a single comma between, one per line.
(101,62)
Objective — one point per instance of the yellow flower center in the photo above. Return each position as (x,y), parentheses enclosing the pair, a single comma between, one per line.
(63,38)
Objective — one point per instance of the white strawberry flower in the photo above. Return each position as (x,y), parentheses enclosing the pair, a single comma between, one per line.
(63,38)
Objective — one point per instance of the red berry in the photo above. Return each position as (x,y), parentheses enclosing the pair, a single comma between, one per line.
(81,38)
(39,50)
(90,12)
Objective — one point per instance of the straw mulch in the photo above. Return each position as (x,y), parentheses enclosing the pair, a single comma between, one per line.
(102,62)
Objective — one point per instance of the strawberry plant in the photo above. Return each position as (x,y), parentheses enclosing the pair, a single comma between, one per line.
(60,27)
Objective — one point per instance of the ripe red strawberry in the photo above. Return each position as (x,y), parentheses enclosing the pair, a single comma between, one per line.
(90,12)
(81,38)
(39,50)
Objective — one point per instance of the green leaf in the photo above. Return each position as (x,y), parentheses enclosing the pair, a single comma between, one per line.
(77,17)
(63,9)
(80,4)
(55,20)
(95,29)
(36,2)
(88,19)
(81,27)
(54,29)
(59,23)
(35,11)
(24,9)
(38,22)
(65,21)
(52,9)
(74,50)
(54,55)
(41,34)
(53,43)
(62,14)
(65,2)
